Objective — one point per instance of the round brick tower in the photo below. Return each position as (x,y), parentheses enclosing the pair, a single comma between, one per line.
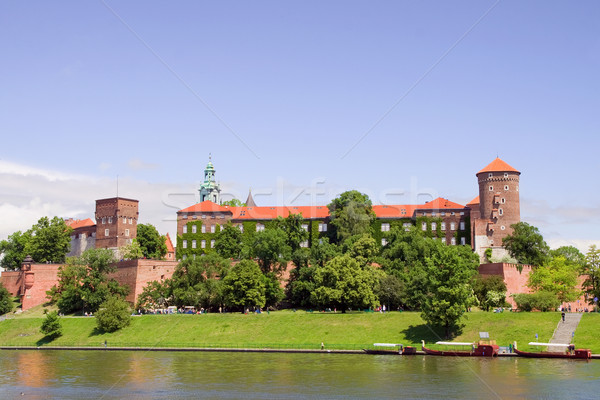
(498,202)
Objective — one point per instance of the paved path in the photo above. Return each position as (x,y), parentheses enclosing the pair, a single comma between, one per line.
(564,331)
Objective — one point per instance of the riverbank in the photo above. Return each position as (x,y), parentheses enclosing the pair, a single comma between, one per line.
(288,330)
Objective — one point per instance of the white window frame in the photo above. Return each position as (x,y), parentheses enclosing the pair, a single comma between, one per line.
(304,227)
(384,242)
(434,226)
(461,225)
(453,241)
(385,227)
(491,188)
(103,220)
(193,243)
(213,228)
(212,243)
(452,226)
(203,229)
(185,228)
(106,232)
(443,226)
(500,211)
(260,227)
(444,239)
(194,228)
(463,241)
(424,226)
(110,220)
(203,243)
(505,187)
(126,232)
(184,244)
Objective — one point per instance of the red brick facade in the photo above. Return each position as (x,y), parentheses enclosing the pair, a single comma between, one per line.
(116,222)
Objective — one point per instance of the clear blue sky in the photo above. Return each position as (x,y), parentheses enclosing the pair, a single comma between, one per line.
(385,97)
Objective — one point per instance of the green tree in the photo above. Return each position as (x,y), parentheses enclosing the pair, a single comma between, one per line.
(228,242)
(152,243)
(113,314)
(292,227)
(50,240)
(558,276)
(199,282)
(51,326)
(391,291)
(300,286)
(273,291)
(591,271)
(363,248)
(271,248)
(449,294)
(344,283)
(6,302)
(13,250)
(322,252)
(155,295)
(526,244)
(132,251)
(83,283)
(244,286)
(570,253)
(233,203)
(484,285)
(351,214)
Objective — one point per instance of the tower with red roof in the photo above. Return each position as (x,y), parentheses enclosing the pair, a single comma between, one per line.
(496,208)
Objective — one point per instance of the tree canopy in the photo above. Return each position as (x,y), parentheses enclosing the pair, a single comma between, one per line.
(244,286)
(49,240)
(152,244)
(526,244)
(83,283)
(228,241)
(558,276)
(591,270)
(351,214)
(6,303)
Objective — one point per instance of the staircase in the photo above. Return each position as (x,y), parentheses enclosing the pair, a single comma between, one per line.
(564,331)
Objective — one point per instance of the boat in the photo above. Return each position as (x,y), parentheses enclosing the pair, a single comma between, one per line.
(392,349)
(477,349)
(578,354)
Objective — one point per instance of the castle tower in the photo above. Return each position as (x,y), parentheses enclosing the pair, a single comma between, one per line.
(210,189)
(499,206)
(116,222)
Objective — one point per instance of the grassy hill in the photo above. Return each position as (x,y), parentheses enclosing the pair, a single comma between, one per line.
(288,329)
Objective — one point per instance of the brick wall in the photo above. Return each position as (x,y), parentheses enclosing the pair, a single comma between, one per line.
(138,273)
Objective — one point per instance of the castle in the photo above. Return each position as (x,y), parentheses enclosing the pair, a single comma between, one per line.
(482,223)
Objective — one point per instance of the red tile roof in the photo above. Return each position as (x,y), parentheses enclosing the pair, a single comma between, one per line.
(169,243)
(206,206)
(440,204)
(498,166)
(394,211)
(79,223)
(473,202)
(308,212)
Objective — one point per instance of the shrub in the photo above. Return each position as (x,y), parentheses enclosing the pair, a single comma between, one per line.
(542,301)
(113,315)
(6,303)
(51,326)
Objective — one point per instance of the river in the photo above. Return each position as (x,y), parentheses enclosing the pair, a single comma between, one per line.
(63,374)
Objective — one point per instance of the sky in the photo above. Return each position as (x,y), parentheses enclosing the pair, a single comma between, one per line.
(298,101)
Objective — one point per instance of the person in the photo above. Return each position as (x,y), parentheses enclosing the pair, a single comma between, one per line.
(322,346)
(563,316)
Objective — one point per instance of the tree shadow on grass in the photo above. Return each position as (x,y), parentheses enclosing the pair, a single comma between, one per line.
(415,334)
(45,340)
(96,332)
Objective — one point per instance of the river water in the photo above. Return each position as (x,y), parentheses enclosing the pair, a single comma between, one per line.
(50,374)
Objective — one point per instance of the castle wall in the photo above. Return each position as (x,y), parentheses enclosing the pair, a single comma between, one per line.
(12,281)
(138,273)
(116,222)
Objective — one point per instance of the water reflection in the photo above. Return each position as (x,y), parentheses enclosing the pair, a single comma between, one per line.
(150,375)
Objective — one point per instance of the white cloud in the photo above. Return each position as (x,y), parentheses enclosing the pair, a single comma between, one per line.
(138,165)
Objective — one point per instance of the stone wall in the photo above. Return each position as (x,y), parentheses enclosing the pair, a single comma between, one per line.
(138,273)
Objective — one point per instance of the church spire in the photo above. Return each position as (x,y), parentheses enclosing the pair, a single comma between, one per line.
(250,201)
(210,189)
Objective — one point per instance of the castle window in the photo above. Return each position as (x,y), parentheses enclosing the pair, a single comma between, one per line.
(444,240)
(452,213)
(103,220)
(213,228)
(462,225)
(260,227)
(184,215)
(203,244)
(433,226)
(502,228)
(130,221)
(110,220)
(304,243)
(443,226)
(463,241)
(241,228)
(490,175)
(304,227)
(322,227)
(184,244)
(194,228)
(384,241)
(491,188)
(453,241)
(406,226)
(126,232)
(433,214)
(424,226)
(443,214)
(203,229)
(194,244)
(185,229)
(452,226)
(203,216)
(106,232)
(385,227)
(212,244)
(500,211)
(506,187)
(462,213)
(506,174)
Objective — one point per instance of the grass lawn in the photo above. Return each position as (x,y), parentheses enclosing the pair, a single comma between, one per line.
(586,336)
(282,329)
